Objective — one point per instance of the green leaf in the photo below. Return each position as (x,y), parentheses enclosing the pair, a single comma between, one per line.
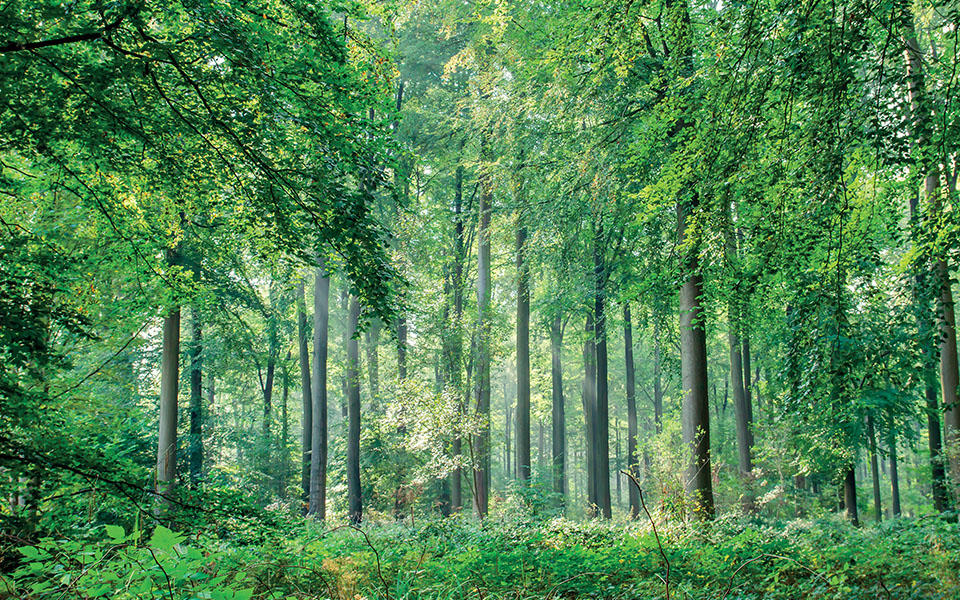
(116,532)
(164,539)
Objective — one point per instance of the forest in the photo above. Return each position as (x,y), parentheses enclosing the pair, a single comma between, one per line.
(479,299)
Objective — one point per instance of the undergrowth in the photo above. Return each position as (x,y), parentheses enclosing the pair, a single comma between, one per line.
(515,557)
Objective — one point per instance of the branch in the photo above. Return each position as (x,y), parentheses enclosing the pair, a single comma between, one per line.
(666,562)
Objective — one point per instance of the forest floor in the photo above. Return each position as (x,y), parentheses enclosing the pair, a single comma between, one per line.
(515,557)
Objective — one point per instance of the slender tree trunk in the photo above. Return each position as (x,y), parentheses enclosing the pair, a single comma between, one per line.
(481,448)
(306,419)
(589,412)
(874,470)
(920,124)
(747,379)
(632,426)
(318,388)
(355,507)
(657,385)
(696,404)
(196,401)
(602,422)
(456,478)
(284,475)
(523,352)
(558,415)
(949,377)
(894,474)
(850,496)
(741,410)
(169,384)
(373,362)
(508,435)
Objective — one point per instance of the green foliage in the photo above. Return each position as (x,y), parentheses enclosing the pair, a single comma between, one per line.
(509,556)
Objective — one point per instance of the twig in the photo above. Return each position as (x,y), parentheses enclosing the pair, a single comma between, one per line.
(169,586)
(656,535)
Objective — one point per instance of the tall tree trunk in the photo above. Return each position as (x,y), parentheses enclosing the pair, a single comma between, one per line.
(169,384)
(523,351)
(657,384)
(481,446)
(355,507)
(850,496)
(737,383)
(747,379)
(693,358)
(632,426)
(306,418)
(267,386)
(920,123)
(373,362)
(196,401)
(589,412)
(602,422)
(283,476)
(508,435)
(894,474)
(558,415)
(318,389)
(874,470)
(456,478)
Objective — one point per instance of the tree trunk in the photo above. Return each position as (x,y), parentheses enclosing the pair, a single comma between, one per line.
(657,384)
(632,427)
(874,470)
(456,360)
(920,122)
(196,402)
(306,418)
(373,362)
(747,379)
(558,415)
(523,353)
(355,507)
(481,447)
(589,412)
(850,496)
(169,384)
(283,476)
(894,474)
(602,422)
(508,435)
(318,389)
(693,359)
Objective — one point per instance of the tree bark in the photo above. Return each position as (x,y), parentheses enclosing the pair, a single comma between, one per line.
(481,446)
(523,352)
(693,358)
(632,426)
(874,470)
(602,421)
(373,362)
(589,412)
(920,121)
(657,384)
(169,384)
(318,389)
(306,418)
(355,506)
(850,496)
(894,474)
(196,401)
(559,438)
(456,360)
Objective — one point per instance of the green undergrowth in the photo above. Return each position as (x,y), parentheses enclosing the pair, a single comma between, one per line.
(515,557)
